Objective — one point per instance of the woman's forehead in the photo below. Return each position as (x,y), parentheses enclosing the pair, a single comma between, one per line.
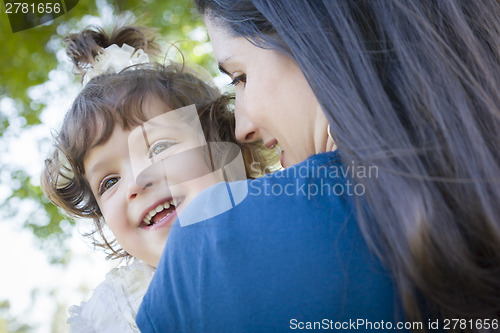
(224,43)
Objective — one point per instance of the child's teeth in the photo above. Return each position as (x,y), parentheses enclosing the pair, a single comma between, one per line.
(149,216)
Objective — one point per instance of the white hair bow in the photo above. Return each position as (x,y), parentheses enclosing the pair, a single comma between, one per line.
(113,59)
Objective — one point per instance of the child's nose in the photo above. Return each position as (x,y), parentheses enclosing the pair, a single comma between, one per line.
(136,187)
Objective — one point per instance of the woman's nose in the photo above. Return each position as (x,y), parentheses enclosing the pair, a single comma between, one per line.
(245,130)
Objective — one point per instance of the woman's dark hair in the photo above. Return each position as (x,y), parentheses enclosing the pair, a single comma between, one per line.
(110,100)
(412,87)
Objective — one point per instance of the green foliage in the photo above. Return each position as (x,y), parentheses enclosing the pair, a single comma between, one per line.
(9,324)
(175,21)
(27,58)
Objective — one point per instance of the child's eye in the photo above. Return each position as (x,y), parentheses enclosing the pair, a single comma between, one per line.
(160,146)
(107,183)
(238,79)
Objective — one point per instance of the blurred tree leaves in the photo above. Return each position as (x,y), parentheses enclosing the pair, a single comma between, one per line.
(8,324)
(26,60)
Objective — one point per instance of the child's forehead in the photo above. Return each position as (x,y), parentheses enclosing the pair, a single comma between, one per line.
(137,113)
(154,106)
(160,114)
(183,121)
(98,156)
(161,121)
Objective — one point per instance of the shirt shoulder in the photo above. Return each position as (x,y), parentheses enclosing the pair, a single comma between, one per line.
(291,248)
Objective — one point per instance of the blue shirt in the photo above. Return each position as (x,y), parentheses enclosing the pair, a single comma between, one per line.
(289,256)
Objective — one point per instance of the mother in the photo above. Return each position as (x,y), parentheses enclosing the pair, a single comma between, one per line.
(411,87)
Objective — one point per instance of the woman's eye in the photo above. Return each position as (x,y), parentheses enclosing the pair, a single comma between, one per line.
(238,79)
(107,183)
(159,147)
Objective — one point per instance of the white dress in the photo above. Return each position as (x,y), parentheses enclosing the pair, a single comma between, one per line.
(114,303)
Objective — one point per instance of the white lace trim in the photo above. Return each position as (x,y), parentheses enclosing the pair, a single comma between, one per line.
(114,303)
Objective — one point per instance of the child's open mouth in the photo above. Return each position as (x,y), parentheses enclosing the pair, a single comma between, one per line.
(160,213)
